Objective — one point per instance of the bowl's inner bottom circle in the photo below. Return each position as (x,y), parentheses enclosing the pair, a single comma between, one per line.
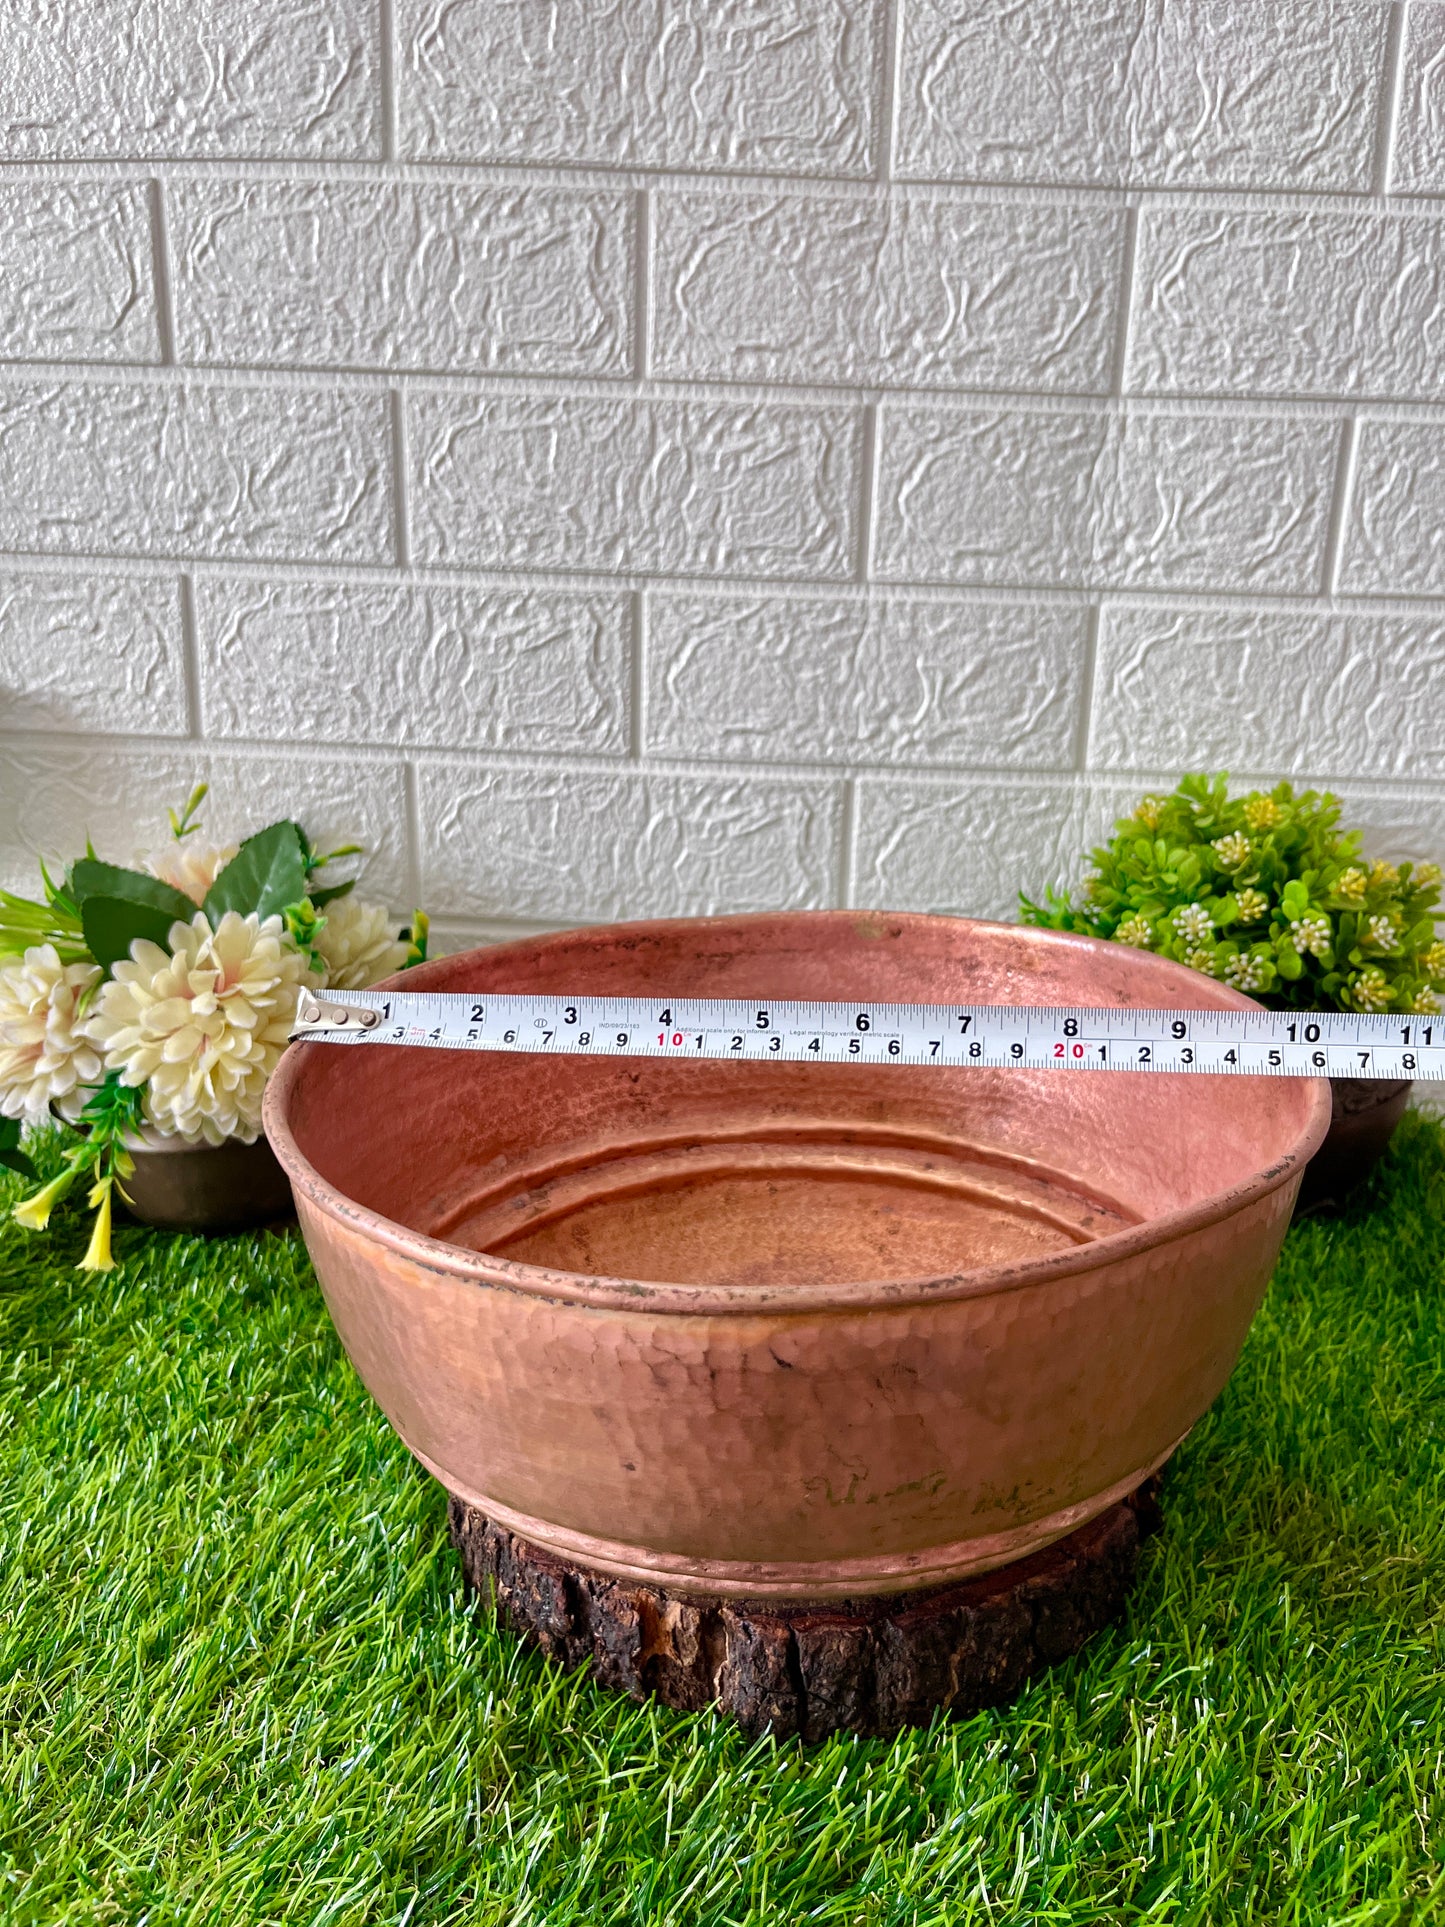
(811,1208)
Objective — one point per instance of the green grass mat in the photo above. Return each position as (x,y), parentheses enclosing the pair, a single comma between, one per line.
(241,1683)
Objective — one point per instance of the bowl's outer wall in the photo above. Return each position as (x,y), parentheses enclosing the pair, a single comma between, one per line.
(870,1440)
(900,1435)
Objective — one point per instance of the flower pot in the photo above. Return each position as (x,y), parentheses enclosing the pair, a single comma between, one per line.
(182,1186)
(1363,1115)
(783,1331)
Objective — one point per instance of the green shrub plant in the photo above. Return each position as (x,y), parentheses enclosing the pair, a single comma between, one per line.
(1266,892)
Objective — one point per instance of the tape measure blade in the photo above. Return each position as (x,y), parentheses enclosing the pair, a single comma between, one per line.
(1369,1045)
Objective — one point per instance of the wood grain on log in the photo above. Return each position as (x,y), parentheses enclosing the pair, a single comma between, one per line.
(870,1666)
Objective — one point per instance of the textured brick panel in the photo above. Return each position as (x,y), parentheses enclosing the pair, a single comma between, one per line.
(588,846)
(454,667)
(966,848)
(1179,689)
(1289,304)
(1142,499)
(516,280)
(1395,541)
(890,681)
(101,653)
(1419,158)
(76,282)
(922,293)
(1400,826)
(159,470)
(115,79)
(1147,93)
(53,797)
(800,263)
(697,487)
(790,87)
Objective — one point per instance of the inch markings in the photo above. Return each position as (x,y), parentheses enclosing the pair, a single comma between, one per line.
(1232,1043)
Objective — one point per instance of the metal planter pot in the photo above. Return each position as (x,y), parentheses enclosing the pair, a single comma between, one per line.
(1364,1114)
(218,1188)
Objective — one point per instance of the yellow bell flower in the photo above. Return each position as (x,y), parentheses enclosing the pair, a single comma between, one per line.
(97,1252)
(34,1212)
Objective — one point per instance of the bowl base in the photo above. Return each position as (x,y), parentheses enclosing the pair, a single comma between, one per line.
(765,1208)
(870,1666)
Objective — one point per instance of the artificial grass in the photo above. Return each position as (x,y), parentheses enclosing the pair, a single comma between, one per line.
(241,1682)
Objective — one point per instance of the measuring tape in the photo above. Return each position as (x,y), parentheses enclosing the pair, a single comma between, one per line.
(1236,1043)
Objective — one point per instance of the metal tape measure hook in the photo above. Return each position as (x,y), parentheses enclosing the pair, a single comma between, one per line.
(313,1014)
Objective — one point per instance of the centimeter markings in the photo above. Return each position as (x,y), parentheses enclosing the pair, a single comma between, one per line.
(994,1036)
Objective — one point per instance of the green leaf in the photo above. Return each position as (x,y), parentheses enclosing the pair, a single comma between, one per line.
(332,892)
(265,874)
(91,878)
(113,924)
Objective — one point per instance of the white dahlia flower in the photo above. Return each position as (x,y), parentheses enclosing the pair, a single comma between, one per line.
(189,867)
(203,1025)
(359,943)
(45,1056)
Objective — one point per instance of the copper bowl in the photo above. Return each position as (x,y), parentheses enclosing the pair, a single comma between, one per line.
(782,1330)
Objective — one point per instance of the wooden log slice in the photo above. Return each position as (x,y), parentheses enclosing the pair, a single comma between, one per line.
(869,1666)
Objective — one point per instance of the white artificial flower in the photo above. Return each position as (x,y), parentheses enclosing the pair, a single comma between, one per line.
(1252,905)
(1370,989)
(1200,960)
(1135,930)
(1311,934)
(359,944)
(1193,923)
(190,866)
(1233,850)
(1244,971)
(201,1026)
(45,1057)
(1262,812)
(1426,1002)
(1380,931)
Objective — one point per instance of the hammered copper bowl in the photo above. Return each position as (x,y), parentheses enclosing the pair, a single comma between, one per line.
(791,1331)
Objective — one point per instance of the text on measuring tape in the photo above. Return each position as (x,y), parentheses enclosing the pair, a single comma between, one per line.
(954,1036)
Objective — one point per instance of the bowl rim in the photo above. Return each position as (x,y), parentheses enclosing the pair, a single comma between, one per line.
(440,1257)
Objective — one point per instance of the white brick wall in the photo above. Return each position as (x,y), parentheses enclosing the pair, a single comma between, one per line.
(658,457)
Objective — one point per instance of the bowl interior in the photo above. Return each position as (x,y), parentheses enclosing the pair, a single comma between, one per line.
(750,1173)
